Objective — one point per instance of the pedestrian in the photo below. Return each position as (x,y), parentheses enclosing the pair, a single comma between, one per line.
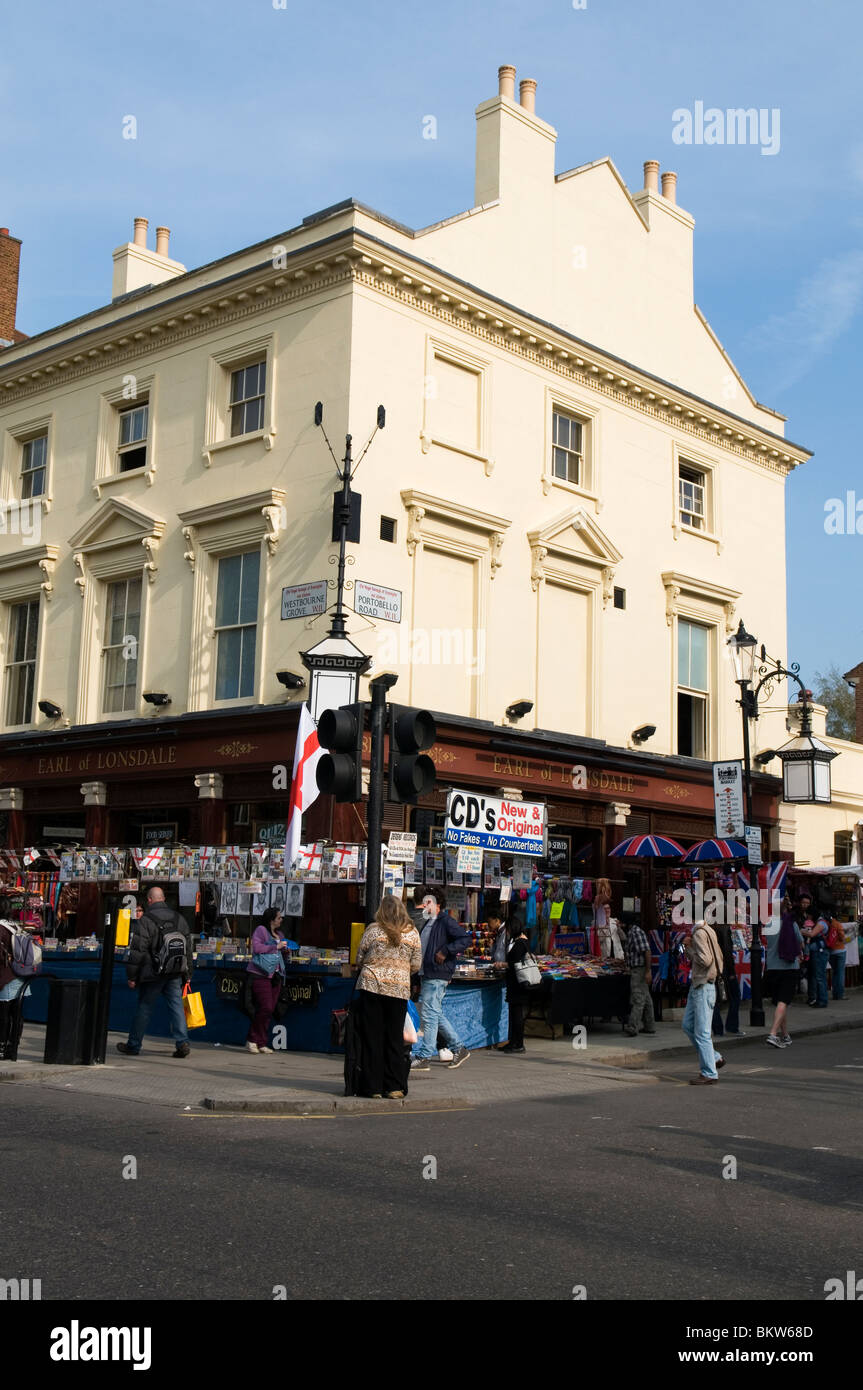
(517,994)
(784,950)
(159,963)
(442,939)
(702,948)
(732,986)
(836,952)
(639,962)
(388,954)
(500,936)
(267,969)
(20,960)
(815,934)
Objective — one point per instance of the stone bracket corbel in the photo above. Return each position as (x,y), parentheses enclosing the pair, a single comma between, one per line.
(414,536)
(537,570)
(81,579)
(189,538)
(151,546)
(274,517)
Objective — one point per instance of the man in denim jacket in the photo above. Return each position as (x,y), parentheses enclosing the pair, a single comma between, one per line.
(442,939)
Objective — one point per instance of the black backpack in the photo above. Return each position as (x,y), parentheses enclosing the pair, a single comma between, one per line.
(169,955)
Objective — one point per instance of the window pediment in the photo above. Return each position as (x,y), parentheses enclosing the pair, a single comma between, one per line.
(453,526)
(238,521)
(702,592)
(27,572)
(110,542)
(568,544)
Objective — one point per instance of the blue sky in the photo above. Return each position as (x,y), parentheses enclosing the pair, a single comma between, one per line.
(249,117)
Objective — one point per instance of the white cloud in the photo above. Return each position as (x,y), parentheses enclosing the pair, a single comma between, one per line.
(824,306)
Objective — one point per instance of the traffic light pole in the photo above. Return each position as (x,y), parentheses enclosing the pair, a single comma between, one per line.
(378,722)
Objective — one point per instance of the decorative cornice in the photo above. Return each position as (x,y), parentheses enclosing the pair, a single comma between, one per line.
(397,275)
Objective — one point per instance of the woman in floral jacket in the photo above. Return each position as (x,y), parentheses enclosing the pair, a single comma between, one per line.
(388,955)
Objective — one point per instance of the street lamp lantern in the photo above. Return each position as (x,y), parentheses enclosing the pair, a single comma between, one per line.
(742,647)
(806,764)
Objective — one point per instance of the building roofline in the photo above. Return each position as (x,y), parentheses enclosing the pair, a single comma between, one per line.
(351,204)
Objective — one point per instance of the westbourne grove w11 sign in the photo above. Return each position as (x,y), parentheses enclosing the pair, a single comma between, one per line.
(516,827)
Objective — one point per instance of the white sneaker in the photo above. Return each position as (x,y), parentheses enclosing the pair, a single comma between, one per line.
(445,1055)
(773,1040)
(784,1039)
(252,1047)
(265,1049)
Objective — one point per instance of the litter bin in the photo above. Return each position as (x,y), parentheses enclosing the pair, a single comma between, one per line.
(71,1022)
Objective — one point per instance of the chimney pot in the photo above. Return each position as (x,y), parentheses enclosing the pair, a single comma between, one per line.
(527,93)
(141,225)
(651,175)
(506,82)
(163,236)
(4,231)
(669,187)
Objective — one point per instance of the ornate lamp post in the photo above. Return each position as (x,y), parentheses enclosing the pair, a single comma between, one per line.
(805,760)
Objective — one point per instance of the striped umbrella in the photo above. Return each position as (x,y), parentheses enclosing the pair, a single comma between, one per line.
(707,851)
(647,847)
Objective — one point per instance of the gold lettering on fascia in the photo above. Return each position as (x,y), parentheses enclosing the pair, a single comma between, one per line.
(108,761)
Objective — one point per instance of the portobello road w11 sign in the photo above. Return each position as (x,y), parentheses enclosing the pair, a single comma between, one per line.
(517,827)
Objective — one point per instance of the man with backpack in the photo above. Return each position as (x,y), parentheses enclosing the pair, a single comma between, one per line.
(160,963)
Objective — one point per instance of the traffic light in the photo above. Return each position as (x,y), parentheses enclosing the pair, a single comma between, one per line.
(340,770)
(411,772)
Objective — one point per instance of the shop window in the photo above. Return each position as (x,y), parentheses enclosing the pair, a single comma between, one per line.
(21,663)
(693,642)
(120,647)
(236,625)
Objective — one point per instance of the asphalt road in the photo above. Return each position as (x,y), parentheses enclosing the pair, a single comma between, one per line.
(620,1191)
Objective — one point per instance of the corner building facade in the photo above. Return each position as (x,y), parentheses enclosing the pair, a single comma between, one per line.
(575,497)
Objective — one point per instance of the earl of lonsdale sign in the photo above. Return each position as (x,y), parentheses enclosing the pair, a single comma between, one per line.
(108,760)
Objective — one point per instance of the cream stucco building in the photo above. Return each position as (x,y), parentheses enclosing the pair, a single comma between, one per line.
(575,494)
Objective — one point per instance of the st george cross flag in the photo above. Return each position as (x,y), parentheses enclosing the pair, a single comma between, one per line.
(304,788)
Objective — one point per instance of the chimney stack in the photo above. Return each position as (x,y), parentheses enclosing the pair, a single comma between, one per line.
(506,82)
(527,93)
(651,175)
(136,267)
(10,256)
(669,187)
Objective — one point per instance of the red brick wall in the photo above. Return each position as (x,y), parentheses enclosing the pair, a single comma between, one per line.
(10,252)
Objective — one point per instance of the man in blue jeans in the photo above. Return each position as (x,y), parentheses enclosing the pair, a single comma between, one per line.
(442,938)
(144,974)
(703,950)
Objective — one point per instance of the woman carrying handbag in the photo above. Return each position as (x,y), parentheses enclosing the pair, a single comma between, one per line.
(522,974)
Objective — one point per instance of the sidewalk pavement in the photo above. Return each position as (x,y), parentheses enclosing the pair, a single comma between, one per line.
(228,1080)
